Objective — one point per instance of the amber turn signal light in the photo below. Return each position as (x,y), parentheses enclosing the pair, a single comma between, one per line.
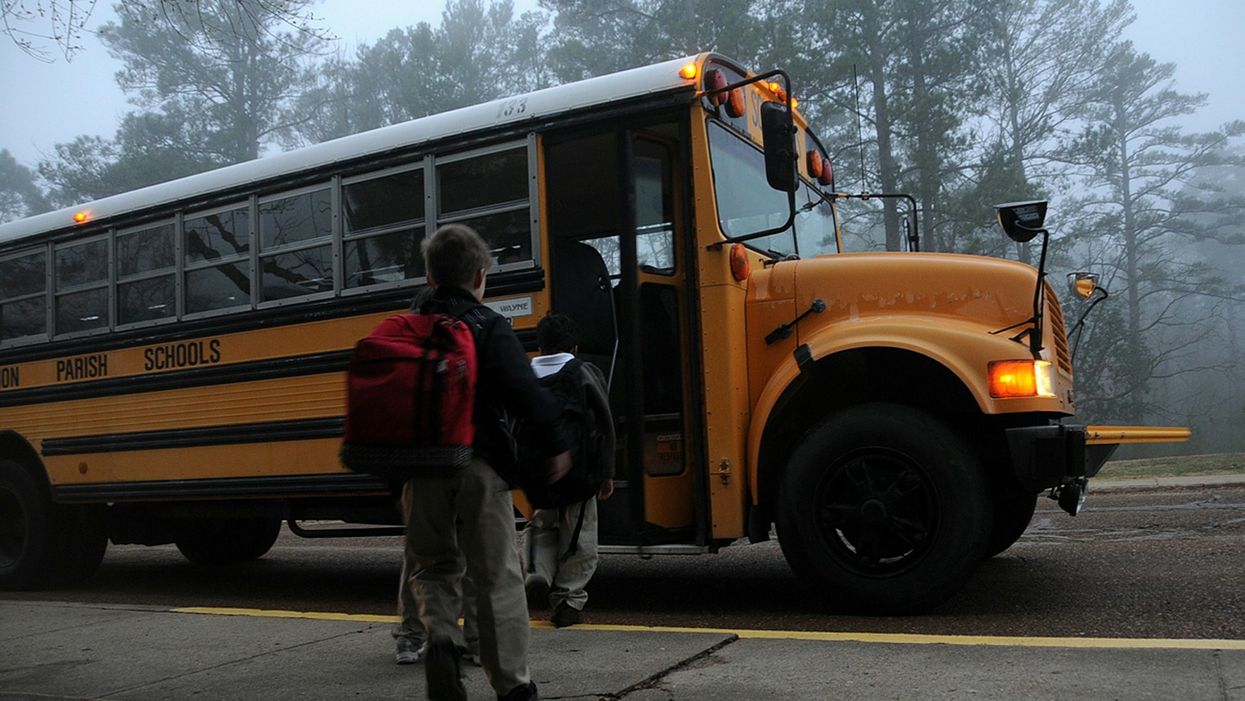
(740,268)
(1021,378)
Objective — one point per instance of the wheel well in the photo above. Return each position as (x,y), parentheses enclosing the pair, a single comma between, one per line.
(851,378)
(15,447)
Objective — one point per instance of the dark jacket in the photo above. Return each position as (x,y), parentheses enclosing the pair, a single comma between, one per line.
(505,382)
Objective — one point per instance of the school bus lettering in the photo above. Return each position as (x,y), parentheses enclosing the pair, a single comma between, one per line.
(10,378)
(175,356)
(85,367)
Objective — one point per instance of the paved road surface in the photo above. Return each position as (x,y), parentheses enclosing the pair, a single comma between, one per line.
(1166,564)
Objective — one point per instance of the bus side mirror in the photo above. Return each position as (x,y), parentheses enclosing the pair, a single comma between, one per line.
(778,131)
(1022,221)
(1083,285)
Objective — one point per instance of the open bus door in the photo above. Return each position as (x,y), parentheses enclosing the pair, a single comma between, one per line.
(617,267)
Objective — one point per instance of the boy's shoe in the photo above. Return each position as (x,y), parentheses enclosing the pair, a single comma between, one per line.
(443,671)
(565,615)
(521,693)
(537,588)
(410,650)
(472,654)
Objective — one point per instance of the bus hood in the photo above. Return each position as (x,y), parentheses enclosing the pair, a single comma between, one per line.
(992,292)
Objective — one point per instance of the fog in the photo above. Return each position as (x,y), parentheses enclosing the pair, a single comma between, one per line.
(53,102)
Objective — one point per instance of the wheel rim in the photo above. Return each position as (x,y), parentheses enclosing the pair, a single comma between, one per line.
(12,528)
(876,511)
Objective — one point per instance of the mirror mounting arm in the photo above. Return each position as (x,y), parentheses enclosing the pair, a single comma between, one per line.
(914,237)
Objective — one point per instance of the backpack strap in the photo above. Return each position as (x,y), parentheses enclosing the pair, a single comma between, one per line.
(579,526)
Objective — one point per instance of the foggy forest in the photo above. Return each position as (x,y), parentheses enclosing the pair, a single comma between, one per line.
(961,103)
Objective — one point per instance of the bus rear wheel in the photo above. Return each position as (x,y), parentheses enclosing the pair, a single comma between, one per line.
(886,508)
(226,541)
(43,543)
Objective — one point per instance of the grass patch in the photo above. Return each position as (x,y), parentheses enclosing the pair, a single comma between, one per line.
(1178,466)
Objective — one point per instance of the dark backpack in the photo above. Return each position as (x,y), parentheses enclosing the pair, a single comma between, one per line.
(587,428)
(410,394)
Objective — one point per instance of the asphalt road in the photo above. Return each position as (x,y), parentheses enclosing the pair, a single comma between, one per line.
(1151,564)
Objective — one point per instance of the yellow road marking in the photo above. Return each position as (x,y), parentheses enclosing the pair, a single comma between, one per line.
(272,613)
(883,638)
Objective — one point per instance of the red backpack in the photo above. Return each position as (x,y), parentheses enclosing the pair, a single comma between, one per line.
(410,392)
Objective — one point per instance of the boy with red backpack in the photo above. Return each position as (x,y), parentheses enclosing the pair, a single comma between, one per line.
(461,513)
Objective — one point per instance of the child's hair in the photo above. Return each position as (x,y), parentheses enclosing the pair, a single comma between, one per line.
(453,254)
(556,333)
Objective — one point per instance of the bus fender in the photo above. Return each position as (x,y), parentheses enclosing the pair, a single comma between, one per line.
(936,341)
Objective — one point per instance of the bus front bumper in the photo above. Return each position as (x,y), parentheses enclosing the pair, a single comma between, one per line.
(1063,457)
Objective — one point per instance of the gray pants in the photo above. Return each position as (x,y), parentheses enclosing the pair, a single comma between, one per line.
(468,519)
(548,540)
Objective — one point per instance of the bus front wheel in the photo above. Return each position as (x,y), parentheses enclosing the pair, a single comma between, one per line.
(1013,511)
(885,507)
(226,541)
(43,543)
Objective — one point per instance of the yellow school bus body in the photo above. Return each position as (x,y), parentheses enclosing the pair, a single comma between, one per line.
(242,420)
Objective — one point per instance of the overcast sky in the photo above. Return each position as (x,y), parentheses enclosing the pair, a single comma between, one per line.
(46,104)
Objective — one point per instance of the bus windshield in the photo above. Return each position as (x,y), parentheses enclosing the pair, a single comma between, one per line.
(747,204)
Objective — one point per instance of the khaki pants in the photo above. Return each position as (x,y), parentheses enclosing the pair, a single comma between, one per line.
(548,539)
(408,610)
(468,519)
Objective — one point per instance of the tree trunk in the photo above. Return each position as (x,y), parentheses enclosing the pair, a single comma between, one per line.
(887,168)
(1131,235)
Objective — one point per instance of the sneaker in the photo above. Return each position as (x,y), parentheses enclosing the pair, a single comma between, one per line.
(537,591)
(443,671)
(565,615)
(410,650)
(472,654)
(520,693)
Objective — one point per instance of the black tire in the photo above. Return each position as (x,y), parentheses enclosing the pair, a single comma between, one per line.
(1013,510)
(28,534)
(226,541)
(84,541)
(886,508)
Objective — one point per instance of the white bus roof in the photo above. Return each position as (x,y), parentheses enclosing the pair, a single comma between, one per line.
(632,83)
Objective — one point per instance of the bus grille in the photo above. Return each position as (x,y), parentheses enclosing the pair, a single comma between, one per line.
(1054,312)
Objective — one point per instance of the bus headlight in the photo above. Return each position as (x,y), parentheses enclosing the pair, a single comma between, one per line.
(1021,378)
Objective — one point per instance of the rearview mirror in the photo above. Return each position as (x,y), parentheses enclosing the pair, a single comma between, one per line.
(778,131)
(1022,220)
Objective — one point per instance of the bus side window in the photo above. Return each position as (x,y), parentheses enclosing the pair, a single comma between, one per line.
(146,289)
(383,225)
(82,286)
(23,299)
(490,193)
(218,266)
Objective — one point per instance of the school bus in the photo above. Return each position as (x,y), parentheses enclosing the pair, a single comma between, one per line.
(172,359)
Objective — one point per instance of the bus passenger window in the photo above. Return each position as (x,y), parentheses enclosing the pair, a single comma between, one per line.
(146,289)
(222,240)
(291,267)
(489,193)
(81,286)
(383,224)
(23,300)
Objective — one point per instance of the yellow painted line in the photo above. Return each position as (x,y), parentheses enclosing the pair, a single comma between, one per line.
(272,613)
(879,638)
